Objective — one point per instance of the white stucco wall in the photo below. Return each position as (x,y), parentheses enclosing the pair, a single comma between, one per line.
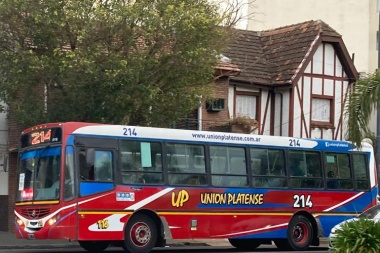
(356,21)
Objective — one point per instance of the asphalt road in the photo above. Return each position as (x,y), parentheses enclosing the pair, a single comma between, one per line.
(188,249)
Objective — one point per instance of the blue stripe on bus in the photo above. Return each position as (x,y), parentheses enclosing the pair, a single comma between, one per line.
(55,151)
(88,188)
(328,222)
(70,140)
(359,204)
(69,150)
(234,206)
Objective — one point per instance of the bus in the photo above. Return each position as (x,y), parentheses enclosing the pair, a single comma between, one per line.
(136,187)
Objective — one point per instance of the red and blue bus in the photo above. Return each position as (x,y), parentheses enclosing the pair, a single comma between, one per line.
(136,187)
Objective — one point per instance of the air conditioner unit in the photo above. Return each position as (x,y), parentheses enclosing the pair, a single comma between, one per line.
(215,105)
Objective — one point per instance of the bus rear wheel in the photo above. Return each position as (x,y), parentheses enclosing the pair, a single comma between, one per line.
(140,234)
(245,244)
(299,235)
(94,246)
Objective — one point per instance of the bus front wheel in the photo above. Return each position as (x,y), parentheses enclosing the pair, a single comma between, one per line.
(94,246)
(140,234)
(300,234)
(245,244)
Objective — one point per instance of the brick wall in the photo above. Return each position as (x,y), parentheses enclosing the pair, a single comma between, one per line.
(13,142)
(212,120)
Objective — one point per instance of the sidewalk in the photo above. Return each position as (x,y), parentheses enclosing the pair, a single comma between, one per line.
(8,240)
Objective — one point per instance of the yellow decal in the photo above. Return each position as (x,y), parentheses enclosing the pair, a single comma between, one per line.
(103,224)
(232,199)
(182,197)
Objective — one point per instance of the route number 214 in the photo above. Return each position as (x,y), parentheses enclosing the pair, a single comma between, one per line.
(301,201)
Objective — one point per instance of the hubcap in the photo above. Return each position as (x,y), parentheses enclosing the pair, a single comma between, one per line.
(300,233)
(140,234)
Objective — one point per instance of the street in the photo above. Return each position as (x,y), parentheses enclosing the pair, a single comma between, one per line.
(203,249)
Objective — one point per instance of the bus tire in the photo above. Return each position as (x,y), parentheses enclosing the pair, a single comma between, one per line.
(94,246)
(140,234)
(245,244)
(299,234)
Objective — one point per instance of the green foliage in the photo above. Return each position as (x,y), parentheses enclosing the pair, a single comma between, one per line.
(362,101)
(108,61)
(359,236)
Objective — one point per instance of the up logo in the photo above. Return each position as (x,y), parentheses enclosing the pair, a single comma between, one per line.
(180,199)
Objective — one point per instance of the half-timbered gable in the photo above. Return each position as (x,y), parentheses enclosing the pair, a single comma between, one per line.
(293,80)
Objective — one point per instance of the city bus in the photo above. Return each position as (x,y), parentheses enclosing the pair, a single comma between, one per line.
(136,187)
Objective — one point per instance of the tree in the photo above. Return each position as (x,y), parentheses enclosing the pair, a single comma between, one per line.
(362,100)
(141,62)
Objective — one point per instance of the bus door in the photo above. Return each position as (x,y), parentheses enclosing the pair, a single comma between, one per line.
(95,174)
(69,230)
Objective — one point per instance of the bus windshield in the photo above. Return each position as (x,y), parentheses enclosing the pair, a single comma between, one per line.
(39,174)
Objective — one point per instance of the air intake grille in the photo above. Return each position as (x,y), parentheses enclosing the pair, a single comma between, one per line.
(35,213)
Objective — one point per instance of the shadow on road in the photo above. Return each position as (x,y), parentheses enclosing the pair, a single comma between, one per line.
(199,249)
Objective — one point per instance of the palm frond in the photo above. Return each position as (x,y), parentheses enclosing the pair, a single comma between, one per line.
(363,100)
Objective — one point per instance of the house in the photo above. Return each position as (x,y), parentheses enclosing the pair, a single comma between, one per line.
(293,80)
(357,22)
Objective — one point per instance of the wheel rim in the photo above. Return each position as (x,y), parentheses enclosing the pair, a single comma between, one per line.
(140,234)
(300,233)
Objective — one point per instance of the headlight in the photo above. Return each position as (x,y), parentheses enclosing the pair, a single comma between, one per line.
(19,222)
(53,220)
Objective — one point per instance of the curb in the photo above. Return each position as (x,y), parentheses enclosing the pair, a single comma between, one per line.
(46,246)
(76,245)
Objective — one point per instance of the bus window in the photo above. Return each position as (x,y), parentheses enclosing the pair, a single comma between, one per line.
(68,188)
(101,170)
(268,168)
(103,166)
(141,162)
(228,166)
(186,164)
(360,171)
(85,172)
(305,169)
(337,169)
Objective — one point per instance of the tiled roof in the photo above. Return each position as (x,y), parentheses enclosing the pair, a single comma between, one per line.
(274,56)
(227,68)
(247,53)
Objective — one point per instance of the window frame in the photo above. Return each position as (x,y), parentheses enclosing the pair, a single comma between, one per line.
(248,93)
(320,123)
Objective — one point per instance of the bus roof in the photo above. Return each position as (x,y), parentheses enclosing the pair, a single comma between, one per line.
(152,133)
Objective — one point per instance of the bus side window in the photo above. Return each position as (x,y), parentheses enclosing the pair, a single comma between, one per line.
(86,173)
(103,166)
(360,171)
(337,171)
(68,188)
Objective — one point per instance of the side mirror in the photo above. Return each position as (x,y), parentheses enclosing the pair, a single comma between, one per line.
(90,157)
